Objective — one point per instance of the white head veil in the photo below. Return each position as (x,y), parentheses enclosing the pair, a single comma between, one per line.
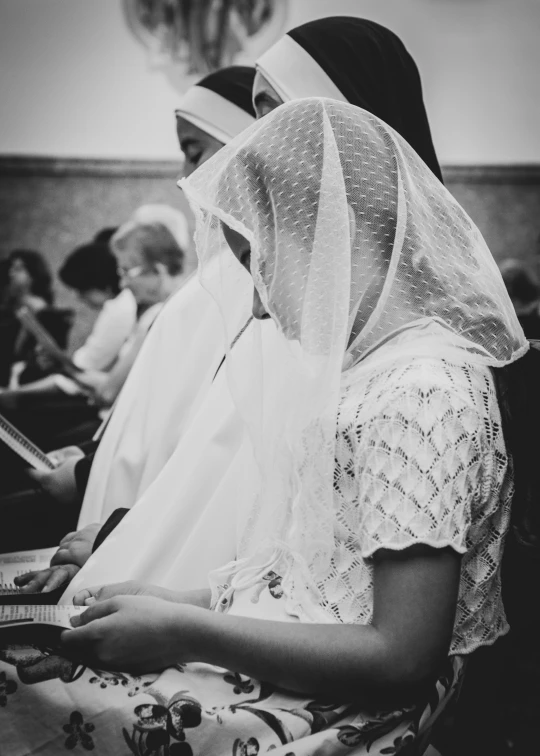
(353,240)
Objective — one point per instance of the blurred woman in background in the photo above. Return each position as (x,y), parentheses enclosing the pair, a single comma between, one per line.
(91,272)
(30,280)
(524,291)
(151,249)
(27,282)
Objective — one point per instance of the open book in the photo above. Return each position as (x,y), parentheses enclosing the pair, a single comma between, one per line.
(18,563)
(35,624)
(23,447)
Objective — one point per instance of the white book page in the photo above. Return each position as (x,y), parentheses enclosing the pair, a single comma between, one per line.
(19,615)
(19,562)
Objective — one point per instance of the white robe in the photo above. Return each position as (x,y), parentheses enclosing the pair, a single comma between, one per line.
(183,524)
(168,381)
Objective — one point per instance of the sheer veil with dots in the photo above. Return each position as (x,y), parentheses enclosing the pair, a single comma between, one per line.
(354,241)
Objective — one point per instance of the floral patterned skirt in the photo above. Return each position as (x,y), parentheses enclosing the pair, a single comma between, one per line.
(49,705)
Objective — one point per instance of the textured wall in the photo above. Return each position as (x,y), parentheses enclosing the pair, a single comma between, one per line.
(54,205)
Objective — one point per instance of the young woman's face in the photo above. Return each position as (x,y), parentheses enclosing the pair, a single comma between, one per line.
(196,144)
(242,251)
(20,281)
(265,97)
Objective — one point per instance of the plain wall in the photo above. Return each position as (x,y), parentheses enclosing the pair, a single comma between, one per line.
(74,82)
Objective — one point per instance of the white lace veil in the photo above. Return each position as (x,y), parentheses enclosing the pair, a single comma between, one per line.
(353,240)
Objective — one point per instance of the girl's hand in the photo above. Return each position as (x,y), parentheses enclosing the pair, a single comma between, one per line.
(88,596)
(136,634)
(44,581)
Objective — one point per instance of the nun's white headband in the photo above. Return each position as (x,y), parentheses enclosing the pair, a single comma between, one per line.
(294,74)
(213,113)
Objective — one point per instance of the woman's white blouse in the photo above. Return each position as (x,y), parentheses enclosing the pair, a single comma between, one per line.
(421,459)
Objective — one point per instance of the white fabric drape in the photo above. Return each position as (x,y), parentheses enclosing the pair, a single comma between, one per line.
(184,523)
(162,392)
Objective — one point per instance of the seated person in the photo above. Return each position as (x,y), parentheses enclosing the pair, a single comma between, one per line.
(27,282)
(46,409)
(150,247)
(151,250)
(91,271)
(30,281)
(524,292)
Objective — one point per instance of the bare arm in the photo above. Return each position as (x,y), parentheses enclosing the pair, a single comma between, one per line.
(388,661)
(401,651)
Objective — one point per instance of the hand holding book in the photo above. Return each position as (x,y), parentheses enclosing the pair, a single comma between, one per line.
(17,570)
(27,628)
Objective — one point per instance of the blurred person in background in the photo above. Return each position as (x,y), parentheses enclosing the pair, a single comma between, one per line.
(151,248)
(30,281)
(91,271)
(151,251)
(524,291)
(27,282)
(53,404)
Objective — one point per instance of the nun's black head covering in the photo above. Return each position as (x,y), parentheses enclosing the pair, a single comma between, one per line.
(234,83)
(220,104)
(372,69)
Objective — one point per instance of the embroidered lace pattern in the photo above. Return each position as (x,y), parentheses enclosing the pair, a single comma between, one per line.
(420,458)
(353,243)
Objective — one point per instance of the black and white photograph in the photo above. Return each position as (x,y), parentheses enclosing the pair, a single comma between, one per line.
(270,377)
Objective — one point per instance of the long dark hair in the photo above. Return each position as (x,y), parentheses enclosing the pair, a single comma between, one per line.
(39,271)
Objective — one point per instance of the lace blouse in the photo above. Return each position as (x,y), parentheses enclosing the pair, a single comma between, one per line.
(421,459)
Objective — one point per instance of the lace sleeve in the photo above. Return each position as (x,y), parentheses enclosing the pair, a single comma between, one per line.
(420,457)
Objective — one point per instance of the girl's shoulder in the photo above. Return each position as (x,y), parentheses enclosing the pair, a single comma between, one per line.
(425,391)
